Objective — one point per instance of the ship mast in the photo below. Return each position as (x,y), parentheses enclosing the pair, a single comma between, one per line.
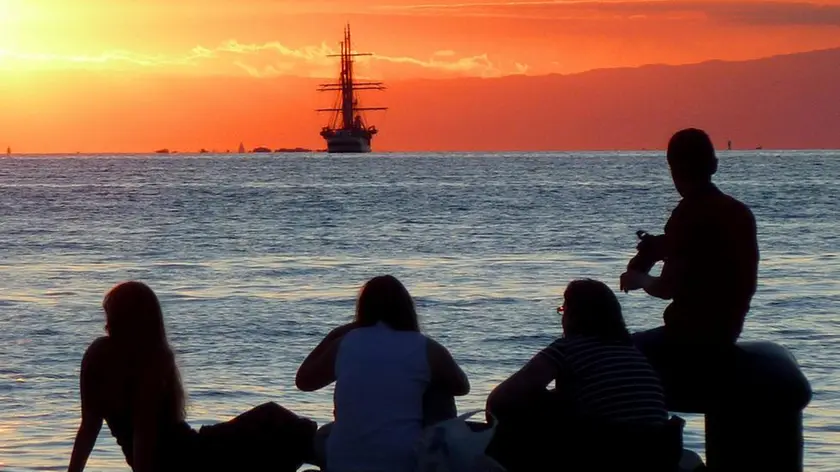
(348,86)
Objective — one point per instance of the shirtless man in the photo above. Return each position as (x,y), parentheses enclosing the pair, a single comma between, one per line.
(710,255)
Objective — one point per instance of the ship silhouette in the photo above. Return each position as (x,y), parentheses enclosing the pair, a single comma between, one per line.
(347,130)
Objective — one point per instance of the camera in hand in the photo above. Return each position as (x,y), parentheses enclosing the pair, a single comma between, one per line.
(649,251)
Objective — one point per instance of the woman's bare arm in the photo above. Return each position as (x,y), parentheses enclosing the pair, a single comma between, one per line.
(91,422)
(518,388)
(446,374)
(318,369)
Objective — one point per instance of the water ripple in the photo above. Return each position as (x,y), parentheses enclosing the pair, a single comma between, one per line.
(255,259)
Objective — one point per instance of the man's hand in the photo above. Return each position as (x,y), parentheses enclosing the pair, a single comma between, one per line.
(634,280)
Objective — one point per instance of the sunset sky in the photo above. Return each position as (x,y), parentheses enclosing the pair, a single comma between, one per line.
(57,54)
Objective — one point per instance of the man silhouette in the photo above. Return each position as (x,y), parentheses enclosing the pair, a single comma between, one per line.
(710,255)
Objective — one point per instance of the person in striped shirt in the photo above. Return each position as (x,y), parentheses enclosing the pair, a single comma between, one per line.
(600,378)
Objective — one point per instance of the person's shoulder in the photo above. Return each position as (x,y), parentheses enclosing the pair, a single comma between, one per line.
(556,351)
(99,348)
(679,215)
(581,340)
(587,349)
(681,207)
(431,343)
(97,357)
(735,208)
(585,344)
(719,197)
(733,202)
(742,208)
(564,344)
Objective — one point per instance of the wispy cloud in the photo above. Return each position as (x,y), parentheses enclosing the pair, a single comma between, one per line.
(474,65)
(262,60)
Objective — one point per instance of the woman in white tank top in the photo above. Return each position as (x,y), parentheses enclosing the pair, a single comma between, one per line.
(383,368)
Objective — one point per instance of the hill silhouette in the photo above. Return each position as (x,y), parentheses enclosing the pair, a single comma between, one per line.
(779,102)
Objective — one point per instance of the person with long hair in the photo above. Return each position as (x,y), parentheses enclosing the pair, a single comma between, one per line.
(390,381)
(600,379)
(129,379)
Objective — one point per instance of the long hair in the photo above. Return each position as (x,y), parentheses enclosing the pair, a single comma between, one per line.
(592,309)
(134,321)
(385,299)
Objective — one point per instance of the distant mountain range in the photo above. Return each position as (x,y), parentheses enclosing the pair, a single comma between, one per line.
(790,101)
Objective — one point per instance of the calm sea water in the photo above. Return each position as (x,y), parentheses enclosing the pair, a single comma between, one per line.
(255,258)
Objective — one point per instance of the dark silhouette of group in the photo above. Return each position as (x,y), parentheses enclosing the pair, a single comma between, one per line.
(608,409)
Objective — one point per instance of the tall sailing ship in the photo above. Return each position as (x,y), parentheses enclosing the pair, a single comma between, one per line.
(347,130)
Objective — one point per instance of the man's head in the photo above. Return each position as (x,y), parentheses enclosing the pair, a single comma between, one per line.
(691,157)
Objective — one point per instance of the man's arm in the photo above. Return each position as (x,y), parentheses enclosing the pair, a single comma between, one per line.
(658,248)
(661,286)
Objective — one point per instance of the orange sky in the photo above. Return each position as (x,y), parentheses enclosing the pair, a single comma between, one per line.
(51,51)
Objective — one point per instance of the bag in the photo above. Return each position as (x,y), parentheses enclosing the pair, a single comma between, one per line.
(453,446)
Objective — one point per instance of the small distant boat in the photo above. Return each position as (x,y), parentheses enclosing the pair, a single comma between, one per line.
(261,149)
(162,151)
(347,130)
(241,149)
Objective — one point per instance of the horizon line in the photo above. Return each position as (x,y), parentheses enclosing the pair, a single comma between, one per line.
(501,151)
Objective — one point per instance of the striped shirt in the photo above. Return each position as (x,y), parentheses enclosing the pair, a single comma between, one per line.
(607,381)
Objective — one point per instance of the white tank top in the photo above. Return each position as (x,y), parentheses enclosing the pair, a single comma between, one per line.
(381,376)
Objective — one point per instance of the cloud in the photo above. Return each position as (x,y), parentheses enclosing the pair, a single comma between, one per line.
(267,59)
(473,65)
(740,12)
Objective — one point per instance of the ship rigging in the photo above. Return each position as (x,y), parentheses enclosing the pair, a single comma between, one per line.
(347,130)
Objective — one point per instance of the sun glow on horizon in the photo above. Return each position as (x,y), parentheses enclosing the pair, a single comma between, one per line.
(105,75)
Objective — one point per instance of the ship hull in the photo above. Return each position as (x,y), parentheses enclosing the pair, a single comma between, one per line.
(348,144)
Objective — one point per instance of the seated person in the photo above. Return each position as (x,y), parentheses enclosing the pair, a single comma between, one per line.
(130,380)
(600,379)
(710,254)
(384,371)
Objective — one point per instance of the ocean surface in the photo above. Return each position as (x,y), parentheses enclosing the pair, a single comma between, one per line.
(256,257)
